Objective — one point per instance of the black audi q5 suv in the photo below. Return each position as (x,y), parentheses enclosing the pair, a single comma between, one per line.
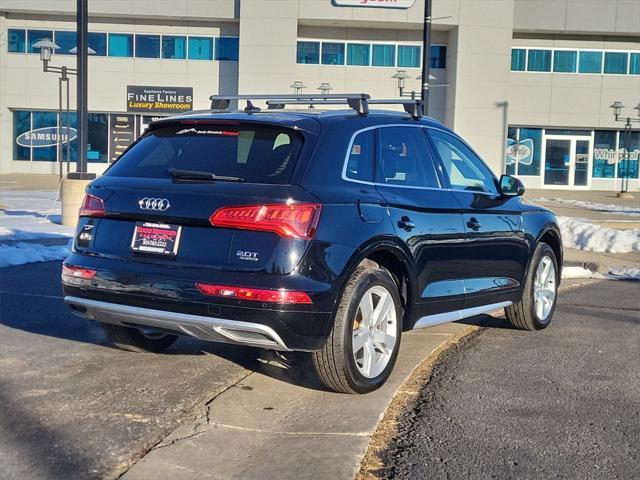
(325,231)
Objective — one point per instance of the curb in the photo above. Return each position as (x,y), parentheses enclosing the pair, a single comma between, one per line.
(370,465)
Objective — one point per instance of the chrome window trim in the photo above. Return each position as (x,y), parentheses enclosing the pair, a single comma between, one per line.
(440,188)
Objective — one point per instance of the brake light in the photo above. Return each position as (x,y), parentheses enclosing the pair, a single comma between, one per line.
(254,294)
(92,206)
(78,272)
(293,221)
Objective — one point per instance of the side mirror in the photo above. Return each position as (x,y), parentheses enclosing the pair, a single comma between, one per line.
(511,186)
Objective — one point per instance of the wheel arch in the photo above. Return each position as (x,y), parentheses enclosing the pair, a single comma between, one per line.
(552,237)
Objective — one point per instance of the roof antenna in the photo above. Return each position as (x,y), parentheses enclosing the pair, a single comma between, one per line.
(250,108)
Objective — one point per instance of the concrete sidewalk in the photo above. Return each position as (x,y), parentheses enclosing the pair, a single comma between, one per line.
(277,423)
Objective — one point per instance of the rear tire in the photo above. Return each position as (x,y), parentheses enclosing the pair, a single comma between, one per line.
(374,333)
(134,340)
(540,294)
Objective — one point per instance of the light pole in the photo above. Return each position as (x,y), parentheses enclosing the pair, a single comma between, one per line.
(297,86)
(47,49)
(628,121)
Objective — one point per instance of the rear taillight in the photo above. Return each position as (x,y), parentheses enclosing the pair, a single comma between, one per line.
(78,272)
(254,294)
(294,221)
(92,207)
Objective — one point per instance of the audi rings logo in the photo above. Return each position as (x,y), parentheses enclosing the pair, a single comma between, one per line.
(156,204)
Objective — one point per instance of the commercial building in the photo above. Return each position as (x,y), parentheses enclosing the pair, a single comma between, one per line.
(559,64)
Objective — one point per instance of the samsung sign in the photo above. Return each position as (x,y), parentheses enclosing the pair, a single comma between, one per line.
(46,137)
(402,4)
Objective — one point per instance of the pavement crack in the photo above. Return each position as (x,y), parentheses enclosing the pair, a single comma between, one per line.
(280,432)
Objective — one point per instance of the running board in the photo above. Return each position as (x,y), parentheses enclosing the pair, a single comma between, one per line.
(438,318)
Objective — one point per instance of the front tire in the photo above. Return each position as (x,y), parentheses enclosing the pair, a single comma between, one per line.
(361,349)
(135,340)
(539,296)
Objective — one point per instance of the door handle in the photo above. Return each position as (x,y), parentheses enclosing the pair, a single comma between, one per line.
(406,224)
(473,224)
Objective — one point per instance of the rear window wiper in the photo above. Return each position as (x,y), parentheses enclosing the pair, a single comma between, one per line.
(178,174)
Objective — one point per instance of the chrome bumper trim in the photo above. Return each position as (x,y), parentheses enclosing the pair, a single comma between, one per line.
(204,328)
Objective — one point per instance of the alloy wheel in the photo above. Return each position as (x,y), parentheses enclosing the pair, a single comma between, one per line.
(544,288)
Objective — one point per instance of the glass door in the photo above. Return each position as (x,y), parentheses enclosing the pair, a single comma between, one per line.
(567,161)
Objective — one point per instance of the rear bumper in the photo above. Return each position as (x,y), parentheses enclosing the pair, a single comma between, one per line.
(197,326)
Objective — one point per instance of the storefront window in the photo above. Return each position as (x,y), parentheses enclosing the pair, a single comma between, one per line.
(332,53)
(148,46)
(21,124)
(34,36)
(174,47)
(539,61)
(73,146)
(615,62)
(510,161)
(530,141)
(98,43)
(384,56)
(604,154)
(66,41)
(200,48)
(438,56)
(628,165)
(518,60)
(42,120)
(565,61)
(98,137)
(409,56)
(120,45)
(590,62)
(16,40)
(227,49)
(358,54)
(308,52)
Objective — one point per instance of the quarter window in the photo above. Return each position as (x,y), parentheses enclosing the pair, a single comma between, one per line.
(464,169)
(404,159)
(360,161)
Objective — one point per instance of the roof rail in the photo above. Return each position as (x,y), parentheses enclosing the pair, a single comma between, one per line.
(357,101)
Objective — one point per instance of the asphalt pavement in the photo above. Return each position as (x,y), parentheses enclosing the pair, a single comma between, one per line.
(559,403)
(73,406)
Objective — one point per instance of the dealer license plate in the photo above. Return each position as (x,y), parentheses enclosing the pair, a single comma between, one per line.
(157,238)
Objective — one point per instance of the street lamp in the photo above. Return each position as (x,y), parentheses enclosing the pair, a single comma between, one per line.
(297,86)
(47,49)
(402,75)
(617,112)
(325,88)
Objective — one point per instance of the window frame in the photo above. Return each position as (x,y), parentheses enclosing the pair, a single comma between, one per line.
(344,53)
(358,44)
(133,45)
(201,37)
(216,43)
(24,40)
(316,42)
(172,39)
(148,36)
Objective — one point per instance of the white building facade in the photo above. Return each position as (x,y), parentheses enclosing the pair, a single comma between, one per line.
(558,64)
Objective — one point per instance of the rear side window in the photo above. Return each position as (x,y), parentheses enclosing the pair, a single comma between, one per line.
(463,167)
(360,161)
(404,159)
(256,154)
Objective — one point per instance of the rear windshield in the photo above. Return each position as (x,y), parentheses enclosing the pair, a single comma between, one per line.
(256,154)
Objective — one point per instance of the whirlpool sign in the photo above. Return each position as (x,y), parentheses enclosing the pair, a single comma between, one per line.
(46,137)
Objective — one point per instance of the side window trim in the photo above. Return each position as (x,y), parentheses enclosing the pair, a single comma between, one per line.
(430,150)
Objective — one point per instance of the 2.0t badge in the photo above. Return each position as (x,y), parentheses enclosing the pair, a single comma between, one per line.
(156,204)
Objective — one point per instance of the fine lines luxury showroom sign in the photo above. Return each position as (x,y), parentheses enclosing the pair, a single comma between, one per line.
(375,3)
(159,99)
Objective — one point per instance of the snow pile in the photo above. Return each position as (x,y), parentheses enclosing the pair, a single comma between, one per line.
(28,215)
(23,252)
(626,273)
(579,272)
(580,234)
(608,208)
